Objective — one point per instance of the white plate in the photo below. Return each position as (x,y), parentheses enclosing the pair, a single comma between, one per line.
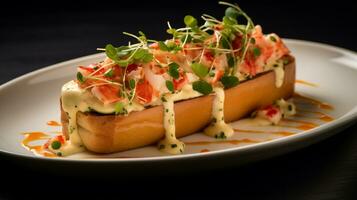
(29,101)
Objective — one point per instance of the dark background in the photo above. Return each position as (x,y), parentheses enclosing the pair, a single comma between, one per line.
(38,34)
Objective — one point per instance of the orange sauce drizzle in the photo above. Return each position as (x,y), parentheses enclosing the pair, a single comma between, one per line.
(314,101)
(322,116)
(235,142)
(284,133)
(37,149)
(303,127)
(326,118)
(306,83)
(53,123)
(204,151)
(300,122)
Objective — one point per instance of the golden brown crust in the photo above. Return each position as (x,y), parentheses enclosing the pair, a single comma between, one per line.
(111,133)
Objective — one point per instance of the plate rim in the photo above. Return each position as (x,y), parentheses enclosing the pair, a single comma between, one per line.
(345,119)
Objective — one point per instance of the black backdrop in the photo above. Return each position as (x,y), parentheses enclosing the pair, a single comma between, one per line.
(38,34)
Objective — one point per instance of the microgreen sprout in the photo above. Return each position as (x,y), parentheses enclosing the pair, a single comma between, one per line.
(230,36)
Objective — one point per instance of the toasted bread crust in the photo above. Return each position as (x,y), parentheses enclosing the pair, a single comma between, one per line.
(112,133)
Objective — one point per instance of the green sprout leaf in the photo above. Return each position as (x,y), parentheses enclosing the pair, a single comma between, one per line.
(119,108)
(109,73)
(122,63)
(170,86)
(111,52)
(142,36)
(131,84)
(173,70)
(199,69)
(232,13)
(230,60)
(202,87)
(190,21)
(163,46)
(139,54)
(143,55)
(147,58)
(229,81)
(229,21)
(121,51)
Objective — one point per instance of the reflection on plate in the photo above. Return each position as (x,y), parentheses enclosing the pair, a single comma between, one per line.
(326,76)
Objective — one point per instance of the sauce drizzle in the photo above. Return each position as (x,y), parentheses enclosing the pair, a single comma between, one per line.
(289,123)
(235,142)
(320,104)
(322,116)
(204,151)
(53,123)
(37,149)
(284,133)
(306,83)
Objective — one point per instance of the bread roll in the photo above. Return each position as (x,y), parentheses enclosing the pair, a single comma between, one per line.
(113,133)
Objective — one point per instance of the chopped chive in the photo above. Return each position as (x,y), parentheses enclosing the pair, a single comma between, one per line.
(214,120)
(272,38)
(256,52)
(56,145)
(286,61)
(290,107)
(80,77)
(163,99)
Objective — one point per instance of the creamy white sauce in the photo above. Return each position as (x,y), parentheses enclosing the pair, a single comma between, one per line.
(170,144)
(185,93)
(67,149)
(218,127)
(279,73)
(75,99)
(287,108)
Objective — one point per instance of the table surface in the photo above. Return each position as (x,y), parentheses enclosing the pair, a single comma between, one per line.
(38,36)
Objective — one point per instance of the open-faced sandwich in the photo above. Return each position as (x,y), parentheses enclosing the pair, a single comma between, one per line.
(157,91)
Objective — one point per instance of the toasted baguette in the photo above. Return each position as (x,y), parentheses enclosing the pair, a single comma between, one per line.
(112,133)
